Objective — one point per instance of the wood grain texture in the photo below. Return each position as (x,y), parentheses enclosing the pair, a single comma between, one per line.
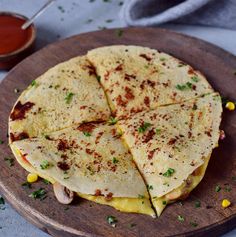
(84,218)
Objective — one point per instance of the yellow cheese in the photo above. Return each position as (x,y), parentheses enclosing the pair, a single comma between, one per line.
(182,191)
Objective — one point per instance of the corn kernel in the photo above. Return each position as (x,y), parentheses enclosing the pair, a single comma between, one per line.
(31,178)
(230,106)
(225,203)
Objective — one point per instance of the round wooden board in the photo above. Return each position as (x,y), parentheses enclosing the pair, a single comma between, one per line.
(85,218)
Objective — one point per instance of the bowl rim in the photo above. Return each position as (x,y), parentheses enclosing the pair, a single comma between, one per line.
(28,43)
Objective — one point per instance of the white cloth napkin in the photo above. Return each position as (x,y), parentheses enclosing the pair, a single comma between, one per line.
(218,13)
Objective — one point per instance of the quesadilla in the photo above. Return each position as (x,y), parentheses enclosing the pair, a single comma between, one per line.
(172,146)
(138,78)
(90,160)
(65,95)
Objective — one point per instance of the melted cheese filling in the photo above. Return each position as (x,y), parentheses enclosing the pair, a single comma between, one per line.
(135,205)
(182,191)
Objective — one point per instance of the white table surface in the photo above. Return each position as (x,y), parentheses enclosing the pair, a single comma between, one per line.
(57,24)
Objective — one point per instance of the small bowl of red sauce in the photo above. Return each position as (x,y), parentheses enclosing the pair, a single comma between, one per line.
(15,43)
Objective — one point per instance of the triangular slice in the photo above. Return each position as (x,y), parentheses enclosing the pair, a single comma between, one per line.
(90,160)
(137,78)
(172,146)
(65,95)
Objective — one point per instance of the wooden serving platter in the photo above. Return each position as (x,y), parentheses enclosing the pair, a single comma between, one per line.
(84,218)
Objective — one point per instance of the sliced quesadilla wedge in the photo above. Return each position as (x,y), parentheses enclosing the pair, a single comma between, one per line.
(137,78)
(90,160)
(172,146)
(65,95)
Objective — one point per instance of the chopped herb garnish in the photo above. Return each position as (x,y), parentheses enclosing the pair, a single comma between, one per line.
(45,165)
(9,160)
(46,181)
(26,185)
(66,208)
(1,141)
(149,187)
(193,224)
(194,107)
(114,160)
(164,202)
(158,131)
(87,134)
(16,90)
(195,79)
(69,97)
(140,196)
(132,225)
(112,121)
(2,201)
(33,83)
(144,127)
(39,194)
(119,32)
(62,10)
(98,78)
(89,21)
(109,20)
(181,204)
(121,3)
(111,220)
(227,189)
(56,86)
(169,172)
(162,59)
(217,188)
(180,218)
(47,137)
(197,204)
(183,87)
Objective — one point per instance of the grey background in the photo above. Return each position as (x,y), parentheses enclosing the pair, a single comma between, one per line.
(57,24)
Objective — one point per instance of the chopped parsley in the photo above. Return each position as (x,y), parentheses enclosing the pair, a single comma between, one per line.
(98,78)
(87,134)
(193,224)
(132,225)
(195,79)
(115,160)
(140,196)
(194,107)
(119,32)
(144,127)
(46,181)
(33,83)
(16,90)
(162,59)
(9,160)
(2,201)
(149,187)
(227,189)
(69,97)
(169,172)
(26,185)
(180,218)
(112,121)
(163,202)
(111,220)
(61,9)
(197,204)
(1,141)
(109,20)
(45,165)
(158,131)
(39,194)
(89,21)
(217,188)
(185,86)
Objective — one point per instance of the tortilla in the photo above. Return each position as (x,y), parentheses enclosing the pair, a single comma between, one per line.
(91,160)
(65,95)
(168,144)
(138,78)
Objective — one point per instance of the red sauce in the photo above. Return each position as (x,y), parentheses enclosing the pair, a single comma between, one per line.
(12,37)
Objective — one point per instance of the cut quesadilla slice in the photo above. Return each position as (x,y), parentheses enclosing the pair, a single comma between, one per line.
(90,160)
(137,78)
(172,146)
(65,95)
